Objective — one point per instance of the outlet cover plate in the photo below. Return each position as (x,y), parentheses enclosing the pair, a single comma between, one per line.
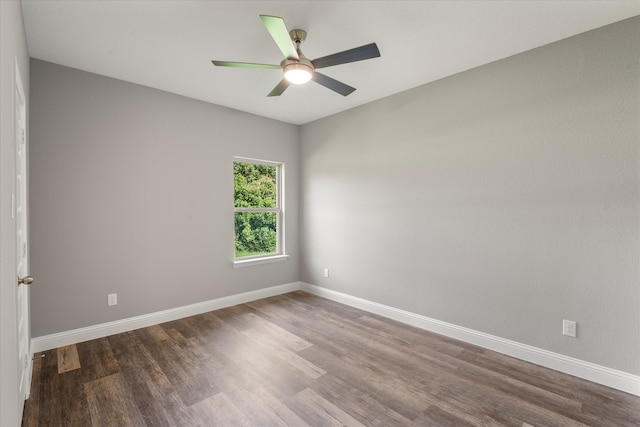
(112,299)
(569,328)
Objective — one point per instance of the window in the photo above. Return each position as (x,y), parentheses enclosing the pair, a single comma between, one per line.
(258,212)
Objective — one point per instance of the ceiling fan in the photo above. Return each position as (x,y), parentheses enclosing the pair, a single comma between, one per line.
(297,68)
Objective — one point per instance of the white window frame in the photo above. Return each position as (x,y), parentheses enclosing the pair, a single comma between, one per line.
(280,254)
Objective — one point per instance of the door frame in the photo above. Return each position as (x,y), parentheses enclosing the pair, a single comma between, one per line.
(21,192)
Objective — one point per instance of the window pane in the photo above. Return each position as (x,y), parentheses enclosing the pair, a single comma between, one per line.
(255,233)
(254,185)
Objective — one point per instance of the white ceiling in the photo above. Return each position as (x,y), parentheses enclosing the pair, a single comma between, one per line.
(169,45)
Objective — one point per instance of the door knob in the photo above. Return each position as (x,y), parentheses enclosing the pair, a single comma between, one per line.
(26,280)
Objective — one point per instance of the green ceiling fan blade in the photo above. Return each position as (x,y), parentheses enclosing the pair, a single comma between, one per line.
(244,65)
(278,30)
(281,87)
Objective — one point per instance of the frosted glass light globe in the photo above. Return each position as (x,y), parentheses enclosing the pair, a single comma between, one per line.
(297,73)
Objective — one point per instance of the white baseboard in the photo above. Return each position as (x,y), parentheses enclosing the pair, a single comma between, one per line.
(75,336)
(589,371)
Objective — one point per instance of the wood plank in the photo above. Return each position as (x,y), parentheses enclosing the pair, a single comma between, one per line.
(435,416)
(276,335)
(392,392)
(258,405)
(62,397)
(97,359)
(254,366)
(280,413)
(172,408)
(182,368)
(237,316)
(149,385)
(218,410)
(361,404)
(68,359)
(111,402)
(317,411)
(264,343)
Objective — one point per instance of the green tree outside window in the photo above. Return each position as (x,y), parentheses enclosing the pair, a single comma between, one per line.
(257,209)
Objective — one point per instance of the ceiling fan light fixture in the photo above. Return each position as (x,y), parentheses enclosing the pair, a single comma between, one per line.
(297,72)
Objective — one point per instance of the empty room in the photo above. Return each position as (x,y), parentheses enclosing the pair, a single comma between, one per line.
(310,213)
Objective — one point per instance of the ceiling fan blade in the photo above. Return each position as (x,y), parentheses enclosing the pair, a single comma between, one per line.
(244,65)
(281,87)
(332,84)
(278,30)
(352,55)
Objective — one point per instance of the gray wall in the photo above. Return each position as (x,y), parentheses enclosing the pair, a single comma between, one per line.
(503,199)
(132,193)
(13,48)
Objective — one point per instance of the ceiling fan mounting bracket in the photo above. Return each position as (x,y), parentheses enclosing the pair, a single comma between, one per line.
(298,36)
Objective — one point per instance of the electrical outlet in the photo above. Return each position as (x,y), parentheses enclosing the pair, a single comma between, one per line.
(112,299)
(326,272)
(569,328)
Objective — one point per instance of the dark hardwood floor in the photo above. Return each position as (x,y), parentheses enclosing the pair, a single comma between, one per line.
(297,360)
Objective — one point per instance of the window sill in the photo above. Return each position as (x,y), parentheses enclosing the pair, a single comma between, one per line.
(262,260)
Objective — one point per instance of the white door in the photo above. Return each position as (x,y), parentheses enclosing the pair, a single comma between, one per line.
(22,249)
